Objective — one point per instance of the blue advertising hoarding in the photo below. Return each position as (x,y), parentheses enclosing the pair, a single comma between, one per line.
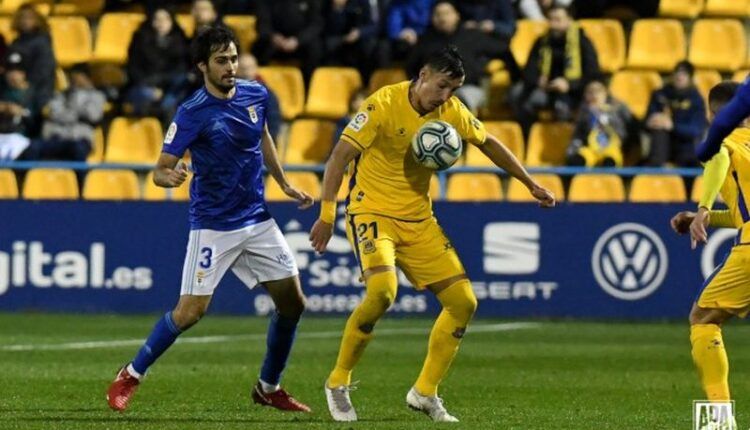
(577,260)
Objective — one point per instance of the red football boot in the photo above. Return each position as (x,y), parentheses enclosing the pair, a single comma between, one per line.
(279,399)
(122,389)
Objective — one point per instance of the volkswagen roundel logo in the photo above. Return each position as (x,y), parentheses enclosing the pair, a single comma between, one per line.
(629,261)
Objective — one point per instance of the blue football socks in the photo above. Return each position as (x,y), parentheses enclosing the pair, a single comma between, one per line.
(281,332)
(163,335)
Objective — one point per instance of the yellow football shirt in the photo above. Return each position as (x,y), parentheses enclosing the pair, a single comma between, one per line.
(386,180)
(737,183)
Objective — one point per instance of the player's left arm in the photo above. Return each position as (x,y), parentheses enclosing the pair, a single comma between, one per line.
(274,167)
(714,175)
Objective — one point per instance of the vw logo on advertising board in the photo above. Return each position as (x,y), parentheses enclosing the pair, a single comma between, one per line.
(629,261)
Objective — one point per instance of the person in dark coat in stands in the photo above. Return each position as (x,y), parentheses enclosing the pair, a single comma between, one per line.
(35,45)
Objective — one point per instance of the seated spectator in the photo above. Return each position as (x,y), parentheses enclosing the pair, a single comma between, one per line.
(34,44)
(406,21)
(290,30)
(601,129)
(248,69)
(157,66)
(17,109)
(350,35)
(676,120)
(492,17)
(205,15)
(475,48)
(560,65)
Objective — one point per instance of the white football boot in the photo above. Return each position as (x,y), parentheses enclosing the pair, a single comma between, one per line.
(430,405)
(339,404)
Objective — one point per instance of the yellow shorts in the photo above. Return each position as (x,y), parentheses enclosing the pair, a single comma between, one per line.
(419,248)
(728,287)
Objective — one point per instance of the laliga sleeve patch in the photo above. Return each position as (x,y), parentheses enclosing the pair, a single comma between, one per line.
(358,121)
(171,132)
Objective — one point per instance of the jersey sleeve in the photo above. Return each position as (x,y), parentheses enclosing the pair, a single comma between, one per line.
(181,133)
(364,126)
(468,126)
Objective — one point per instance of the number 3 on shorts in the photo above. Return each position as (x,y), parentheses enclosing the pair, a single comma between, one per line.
(207,254)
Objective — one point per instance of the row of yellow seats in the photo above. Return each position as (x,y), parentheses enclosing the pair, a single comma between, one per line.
(693,8)
(88,8)
(129,140)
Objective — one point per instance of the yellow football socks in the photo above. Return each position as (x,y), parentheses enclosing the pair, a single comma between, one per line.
(710,358)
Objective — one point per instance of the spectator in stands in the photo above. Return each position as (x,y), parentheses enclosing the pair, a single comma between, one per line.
(350,35)
(204,15)
(537,9)
(601,129)
(406,21)
(475,48)
(290,30)
(34,44)
(676,120)
(16,108)
(248,69)
(560,65)
(157,66)
(492,17)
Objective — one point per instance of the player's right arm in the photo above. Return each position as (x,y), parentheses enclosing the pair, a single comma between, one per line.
(170,171)
(714,174)
(726,120)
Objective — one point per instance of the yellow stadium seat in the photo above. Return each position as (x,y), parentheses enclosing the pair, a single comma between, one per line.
(510,134)
(288,86)
(383,77)
(734,8)
(186,23)
(133,140)
(310,141)
(330,91)
(527,32)
(434,191)
(155,193)
(97,147)
(656,44)
(517,192)
(303,181)
(88,8)
(547,144)
(474,187)
(718,44)
(608,38)
(688,9)
(705,80)
(497,97)
(8,7)
(6,29)
(113,36)
(697,192)
(61,81)
(71,39)
(596,188)
(111,185)
(634,88)
(657,189)
(243,27)
(53,184)
(8,184)
(740,75)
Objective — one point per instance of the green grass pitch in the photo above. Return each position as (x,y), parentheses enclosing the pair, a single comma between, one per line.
(552,375)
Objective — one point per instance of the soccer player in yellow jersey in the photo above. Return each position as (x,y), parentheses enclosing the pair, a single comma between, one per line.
(390,222)
(726,292)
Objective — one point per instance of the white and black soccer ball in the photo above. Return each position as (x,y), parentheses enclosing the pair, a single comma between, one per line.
(436,145)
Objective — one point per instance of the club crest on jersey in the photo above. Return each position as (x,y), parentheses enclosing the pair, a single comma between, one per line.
(358,121)
(253,114)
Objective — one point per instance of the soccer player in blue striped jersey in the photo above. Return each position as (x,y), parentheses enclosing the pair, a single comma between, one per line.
(224,126)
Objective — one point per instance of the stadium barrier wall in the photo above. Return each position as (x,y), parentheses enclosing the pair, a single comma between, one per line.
(577,260)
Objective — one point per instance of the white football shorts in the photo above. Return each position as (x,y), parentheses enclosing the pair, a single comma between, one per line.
(256,254)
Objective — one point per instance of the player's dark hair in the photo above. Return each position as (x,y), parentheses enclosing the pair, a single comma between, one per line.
(447,61)
(210,40)
(721,93)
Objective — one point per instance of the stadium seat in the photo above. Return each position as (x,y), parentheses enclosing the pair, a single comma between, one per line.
(56,184)
(133,140)
(634,88)
(686,9)
(8,7)
(113,36)
(474,187)
(287,84)
(657,189)
(733,8)
(244,28)
(435,188)
(597,188)
(656,44)
(547,144)
(87,8)
(61,80)
(509,133)
(608,38)
(517,192)
(527,32)
(97,147)
(111,185)
(497,97)
(155,193)
(6,29)
(330,91)
(697,191)
(383,77)
(740,75)
(186,23)
(8,184)
(304,181)
(705,80)
(310,141)
(71,39)
(718,44)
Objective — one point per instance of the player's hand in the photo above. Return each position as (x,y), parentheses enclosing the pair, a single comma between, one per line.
(681,222)
(178,175)
(304,199)
(320,235)
(698,232)
(545,197)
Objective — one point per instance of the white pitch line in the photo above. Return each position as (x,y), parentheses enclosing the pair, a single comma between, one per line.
(478,328)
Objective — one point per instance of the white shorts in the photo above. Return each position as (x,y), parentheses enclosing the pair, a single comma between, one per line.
(256,254)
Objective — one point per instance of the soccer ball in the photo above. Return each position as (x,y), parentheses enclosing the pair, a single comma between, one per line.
(436,145)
